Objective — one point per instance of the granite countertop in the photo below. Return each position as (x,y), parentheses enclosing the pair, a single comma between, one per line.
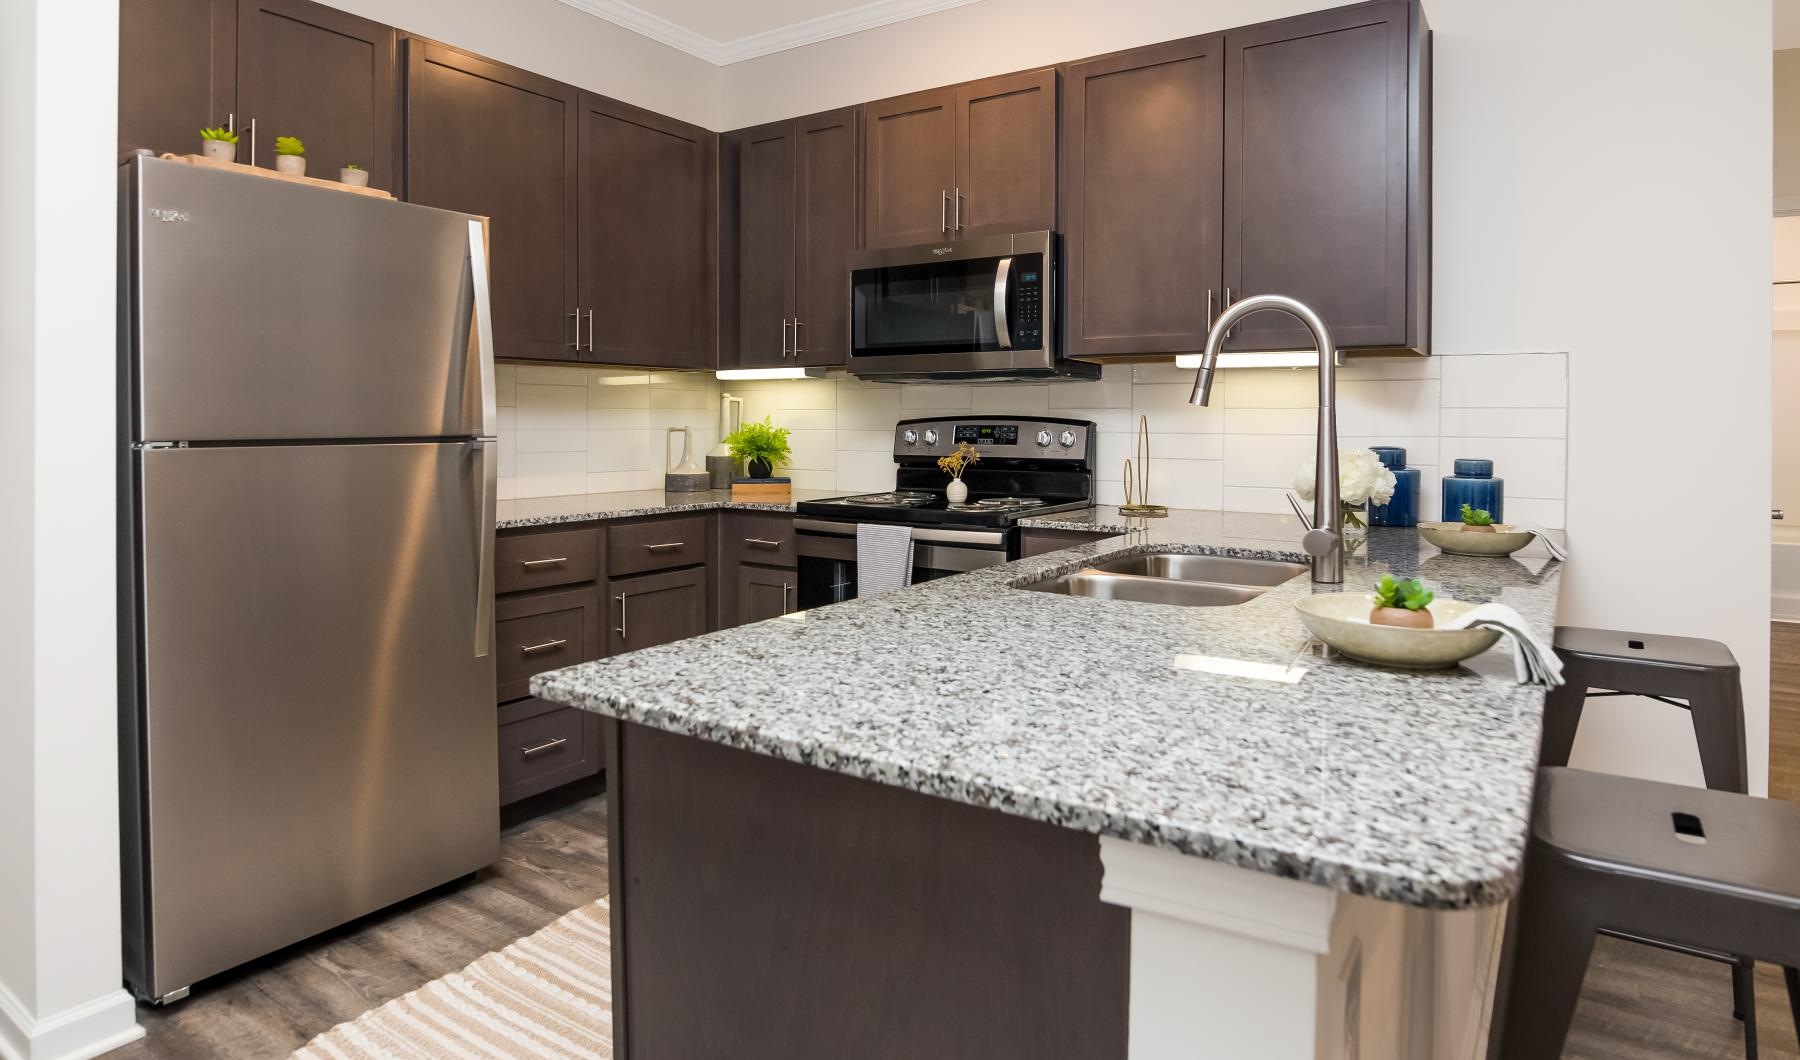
(587,507)
(1133,720)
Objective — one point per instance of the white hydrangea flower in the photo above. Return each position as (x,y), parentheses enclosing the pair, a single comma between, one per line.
(1362,478)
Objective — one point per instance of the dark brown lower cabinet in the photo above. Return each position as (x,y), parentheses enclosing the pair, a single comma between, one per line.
(544,745)
(541,632)
(649,609)
(1037,542)
(762,592)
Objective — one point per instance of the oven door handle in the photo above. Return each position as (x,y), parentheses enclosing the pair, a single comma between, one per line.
(994,539)
(1002,278)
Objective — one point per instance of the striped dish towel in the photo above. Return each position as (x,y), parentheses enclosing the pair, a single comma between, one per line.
(884,558)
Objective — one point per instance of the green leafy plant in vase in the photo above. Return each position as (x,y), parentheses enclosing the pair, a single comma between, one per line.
(1479,520)
(1402,602)
(761,446)
(290,156)
(219,144)
(353,175)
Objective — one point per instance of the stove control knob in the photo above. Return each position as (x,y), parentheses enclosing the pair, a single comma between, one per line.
(931,436)
(1067,439)
(1043,439)
(911,437)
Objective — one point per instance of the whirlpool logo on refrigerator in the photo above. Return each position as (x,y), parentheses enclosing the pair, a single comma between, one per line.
(169,215)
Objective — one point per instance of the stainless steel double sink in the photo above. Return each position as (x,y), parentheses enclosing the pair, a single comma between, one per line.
(1173,578)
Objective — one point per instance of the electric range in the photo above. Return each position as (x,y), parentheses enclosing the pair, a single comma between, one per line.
(1028,466)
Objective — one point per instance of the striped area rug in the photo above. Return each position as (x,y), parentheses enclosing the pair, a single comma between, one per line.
(546,995)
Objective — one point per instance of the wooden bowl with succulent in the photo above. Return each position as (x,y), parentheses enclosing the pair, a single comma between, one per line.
(1476,535)
(1397,625)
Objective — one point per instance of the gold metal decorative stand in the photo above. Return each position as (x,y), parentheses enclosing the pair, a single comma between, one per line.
(1138,503)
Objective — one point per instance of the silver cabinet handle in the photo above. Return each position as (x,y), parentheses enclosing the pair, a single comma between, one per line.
(253,141)
(958,223)
(231,122)
(784,336)
(1777,514)
(797,323)
(1209,309)
(1002,276)
(786,589)
(551,561)
(590,316)
(943,211)
(547,745)
(576,317)
(665,546)
(1224,306)
(620,628)
(761,542)
(533,649)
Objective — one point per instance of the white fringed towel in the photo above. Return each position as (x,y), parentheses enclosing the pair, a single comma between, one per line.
(1557,549)
(884,558)
(1534,661)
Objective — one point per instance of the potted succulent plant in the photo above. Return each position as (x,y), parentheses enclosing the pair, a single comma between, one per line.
(1479,520)
(290,156)
(353,175)
(958,461)
(760,446)
(219,144)
(1362,480)
(1401,602)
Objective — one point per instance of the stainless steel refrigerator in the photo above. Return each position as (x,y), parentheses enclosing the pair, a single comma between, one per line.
(307,522)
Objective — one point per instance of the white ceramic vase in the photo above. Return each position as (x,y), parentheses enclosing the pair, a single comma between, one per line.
(356,178)
(292,165)
(957,492)
(221,150)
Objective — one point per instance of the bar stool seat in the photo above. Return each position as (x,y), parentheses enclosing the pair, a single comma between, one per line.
(1700,676)
(1715,871)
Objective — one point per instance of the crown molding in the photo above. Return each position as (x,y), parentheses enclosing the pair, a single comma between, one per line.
(796,35)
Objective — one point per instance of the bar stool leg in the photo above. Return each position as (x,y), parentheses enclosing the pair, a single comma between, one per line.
(1719,730)
(1743,996)
(1793,985)
(1562,716)
(1542,966)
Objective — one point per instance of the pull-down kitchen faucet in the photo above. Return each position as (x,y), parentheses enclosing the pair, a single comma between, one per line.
(1324,540)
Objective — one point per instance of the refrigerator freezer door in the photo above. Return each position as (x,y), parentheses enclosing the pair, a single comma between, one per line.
(265,310)
(319,731)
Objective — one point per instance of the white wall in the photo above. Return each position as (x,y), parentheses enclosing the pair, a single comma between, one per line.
(59,853)
(1567,217)
(556,40)
(1787,126)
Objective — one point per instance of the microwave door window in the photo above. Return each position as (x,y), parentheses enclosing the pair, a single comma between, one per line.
(944,307)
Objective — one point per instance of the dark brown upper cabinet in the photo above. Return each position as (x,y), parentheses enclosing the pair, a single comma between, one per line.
(648,243)
(1141,179)
(329,78)
(489,139)
(972,159)
(789,194)
(177,72)
(1327,175)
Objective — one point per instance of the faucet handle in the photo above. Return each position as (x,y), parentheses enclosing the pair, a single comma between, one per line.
(1299,512)
(1319,543)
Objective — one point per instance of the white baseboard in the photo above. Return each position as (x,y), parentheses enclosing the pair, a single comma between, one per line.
(1784,608)
(87,1030)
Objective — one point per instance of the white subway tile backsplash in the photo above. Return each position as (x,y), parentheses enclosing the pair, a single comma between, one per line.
(620,481)
(504,379)
(670,397)
(807,419)
(611,419)
(555,375)
(806,394)
(1271,421)
(1506,423)
(1420,452)
(558,441)
(1110,391)
(1389,368)
(550,474)
(1266,388)
(612,389)
(865,441)
(1513,380)
(551,407)
(1268,460)
(1542,511)
(610,450)
(868,408)
(1011,399)
(813,450)
(918,399)
(1401,406)
(1187,483)
(1264,499)
(865,472)
(1532,467)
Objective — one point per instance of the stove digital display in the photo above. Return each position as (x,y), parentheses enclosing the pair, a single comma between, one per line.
(988,433)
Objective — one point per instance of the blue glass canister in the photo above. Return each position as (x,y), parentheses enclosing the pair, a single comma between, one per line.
(1402,509)
(1474,484)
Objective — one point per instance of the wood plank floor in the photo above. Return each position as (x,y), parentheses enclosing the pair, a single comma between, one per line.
(1636,1002)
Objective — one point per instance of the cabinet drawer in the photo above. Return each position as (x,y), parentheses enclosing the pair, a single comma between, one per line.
(538,633)
(543,746)
(657,545)
(753,537)
(1033,542)
(544,561)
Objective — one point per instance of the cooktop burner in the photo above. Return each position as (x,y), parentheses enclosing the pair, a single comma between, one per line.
(896,499)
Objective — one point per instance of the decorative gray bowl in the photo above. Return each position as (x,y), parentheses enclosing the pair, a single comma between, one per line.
(1451,537)
(1341,620)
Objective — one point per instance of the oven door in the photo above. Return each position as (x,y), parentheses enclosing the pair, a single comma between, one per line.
(970,307)
(827,557)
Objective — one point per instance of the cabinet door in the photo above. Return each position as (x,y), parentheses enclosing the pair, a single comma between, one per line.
(651,609)
(177,72)
(909,168)
(1006,155)
(646,237)
(1316,161)
(1142,161)
(824,235)
(764,268)
(762,592)
(488,139)
(540,632)
(326,77)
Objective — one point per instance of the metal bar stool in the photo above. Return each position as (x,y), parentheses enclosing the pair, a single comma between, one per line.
(1710,870)
(1700,676)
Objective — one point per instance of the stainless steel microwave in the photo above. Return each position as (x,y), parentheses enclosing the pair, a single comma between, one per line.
(982,308)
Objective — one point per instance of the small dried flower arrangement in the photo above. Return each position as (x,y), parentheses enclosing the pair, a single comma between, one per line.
(959,461)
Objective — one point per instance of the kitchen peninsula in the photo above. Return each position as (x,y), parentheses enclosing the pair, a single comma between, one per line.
(973,820)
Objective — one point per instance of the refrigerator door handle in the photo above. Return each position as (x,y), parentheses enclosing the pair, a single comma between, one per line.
(484,534)
(484,327)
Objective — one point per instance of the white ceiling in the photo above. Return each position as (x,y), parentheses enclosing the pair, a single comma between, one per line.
(730,31)
(1787,24)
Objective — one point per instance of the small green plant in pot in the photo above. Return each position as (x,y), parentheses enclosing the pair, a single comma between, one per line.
(1480,520)
(760,446)
(1402,602)
(353,175)
(290,156)
(219,144)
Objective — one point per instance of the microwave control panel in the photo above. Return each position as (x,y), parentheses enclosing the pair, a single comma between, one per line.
(1027,309)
